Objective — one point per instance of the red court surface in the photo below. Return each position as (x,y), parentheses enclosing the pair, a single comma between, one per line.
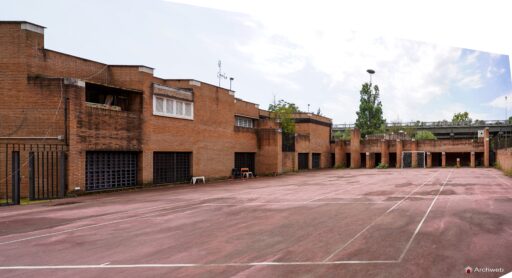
(328,223)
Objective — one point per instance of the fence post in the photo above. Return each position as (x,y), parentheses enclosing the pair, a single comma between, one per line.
(31,177)
(62,173)
(15,173)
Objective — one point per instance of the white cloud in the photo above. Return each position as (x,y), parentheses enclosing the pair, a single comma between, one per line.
(341,42)
(503,101)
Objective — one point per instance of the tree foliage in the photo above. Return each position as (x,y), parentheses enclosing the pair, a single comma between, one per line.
(369,117)
(462,117)
(345,135)
(282,112)
(425,135)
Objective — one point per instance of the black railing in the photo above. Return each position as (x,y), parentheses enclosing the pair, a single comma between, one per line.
(32,171)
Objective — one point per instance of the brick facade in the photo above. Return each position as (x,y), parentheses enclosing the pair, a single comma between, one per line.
(62,97)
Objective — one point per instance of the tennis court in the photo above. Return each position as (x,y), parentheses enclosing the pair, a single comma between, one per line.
(329,223)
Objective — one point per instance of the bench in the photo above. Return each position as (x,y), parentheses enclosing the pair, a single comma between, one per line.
(195,179)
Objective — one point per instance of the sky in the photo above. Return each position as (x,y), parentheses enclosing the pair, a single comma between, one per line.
(312,53)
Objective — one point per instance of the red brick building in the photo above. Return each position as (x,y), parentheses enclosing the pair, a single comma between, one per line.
(122,126)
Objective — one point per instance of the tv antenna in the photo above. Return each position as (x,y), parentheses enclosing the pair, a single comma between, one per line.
(220,74)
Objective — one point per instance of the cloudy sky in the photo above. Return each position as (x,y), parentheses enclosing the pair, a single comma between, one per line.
(312,53)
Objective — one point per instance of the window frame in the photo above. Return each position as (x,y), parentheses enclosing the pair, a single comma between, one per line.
(244,119)
(174,108)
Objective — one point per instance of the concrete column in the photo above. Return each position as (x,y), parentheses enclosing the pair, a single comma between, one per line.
(414,157)
(486,147)
(384,152)
(355,149)
(310,161)
(398,153)
(473,160)
(339,154)
(443,159)
(269,158)
(429,160)
(370,160)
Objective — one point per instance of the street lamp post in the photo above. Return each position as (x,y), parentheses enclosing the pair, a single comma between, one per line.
(371,72)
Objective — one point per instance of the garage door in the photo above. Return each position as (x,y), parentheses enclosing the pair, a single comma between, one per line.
(245,160)
(172,167)
(303,161)
(110,170)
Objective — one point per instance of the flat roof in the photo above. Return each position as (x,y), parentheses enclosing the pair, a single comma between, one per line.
(19,22)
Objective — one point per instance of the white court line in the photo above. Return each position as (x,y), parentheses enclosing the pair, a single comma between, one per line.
(408,195)
(98,266)
(118,213)
(371,224)
(97,225)
(292,203)
(424,217)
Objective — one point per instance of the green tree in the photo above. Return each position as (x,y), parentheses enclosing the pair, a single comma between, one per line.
(337,135)
(462,117)
(425,135)
(369,117)
(346,134)
(282,112)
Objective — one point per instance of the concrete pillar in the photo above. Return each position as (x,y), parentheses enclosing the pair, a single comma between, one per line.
(473,160)
(355,149)
(370,160)
(486,147)
(458,162)
(429,160)
(443,159)
(310,161)
(398,153)
(414,157)
(269,158)
(339,154)
(384,152)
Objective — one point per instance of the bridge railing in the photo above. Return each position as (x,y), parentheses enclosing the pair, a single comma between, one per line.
(419,124)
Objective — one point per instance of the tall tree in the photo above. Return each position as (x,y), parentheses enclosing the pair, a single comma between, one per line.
(282,111)
(369,117)
(461,117)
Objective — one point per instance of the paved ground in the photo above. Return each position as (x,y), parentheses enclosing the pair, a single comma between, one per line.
(331,223)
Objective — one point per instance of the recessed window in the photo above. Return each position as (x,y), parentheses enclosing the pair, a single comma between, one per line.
(164,106)
(244,122)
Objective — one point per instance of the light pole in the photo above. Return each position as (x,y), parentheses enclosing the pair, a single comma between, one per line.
(506,109)
(230,81)
(371,72)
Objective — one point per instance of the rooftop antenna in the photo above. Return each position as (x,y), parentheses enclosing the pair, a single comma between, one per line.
(221,75)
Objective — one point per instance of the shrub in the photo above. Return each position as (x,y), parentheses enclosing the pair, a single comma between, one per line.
(340,166)
(424,135)
(382,166)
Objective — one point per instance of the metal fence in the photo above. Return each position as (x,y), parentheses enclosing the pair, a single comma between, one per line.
(502,141)
(32,171)
(476,123)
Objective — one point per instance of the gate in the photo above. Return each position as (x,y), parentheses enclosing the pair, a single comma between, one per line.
(303,161)
(171,167)
(110,170)
(246,160)
(33,171)
(315,161)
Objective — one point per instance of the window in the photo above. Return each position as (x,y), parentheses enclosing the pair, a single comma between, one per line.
(244,122)
(164,106)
